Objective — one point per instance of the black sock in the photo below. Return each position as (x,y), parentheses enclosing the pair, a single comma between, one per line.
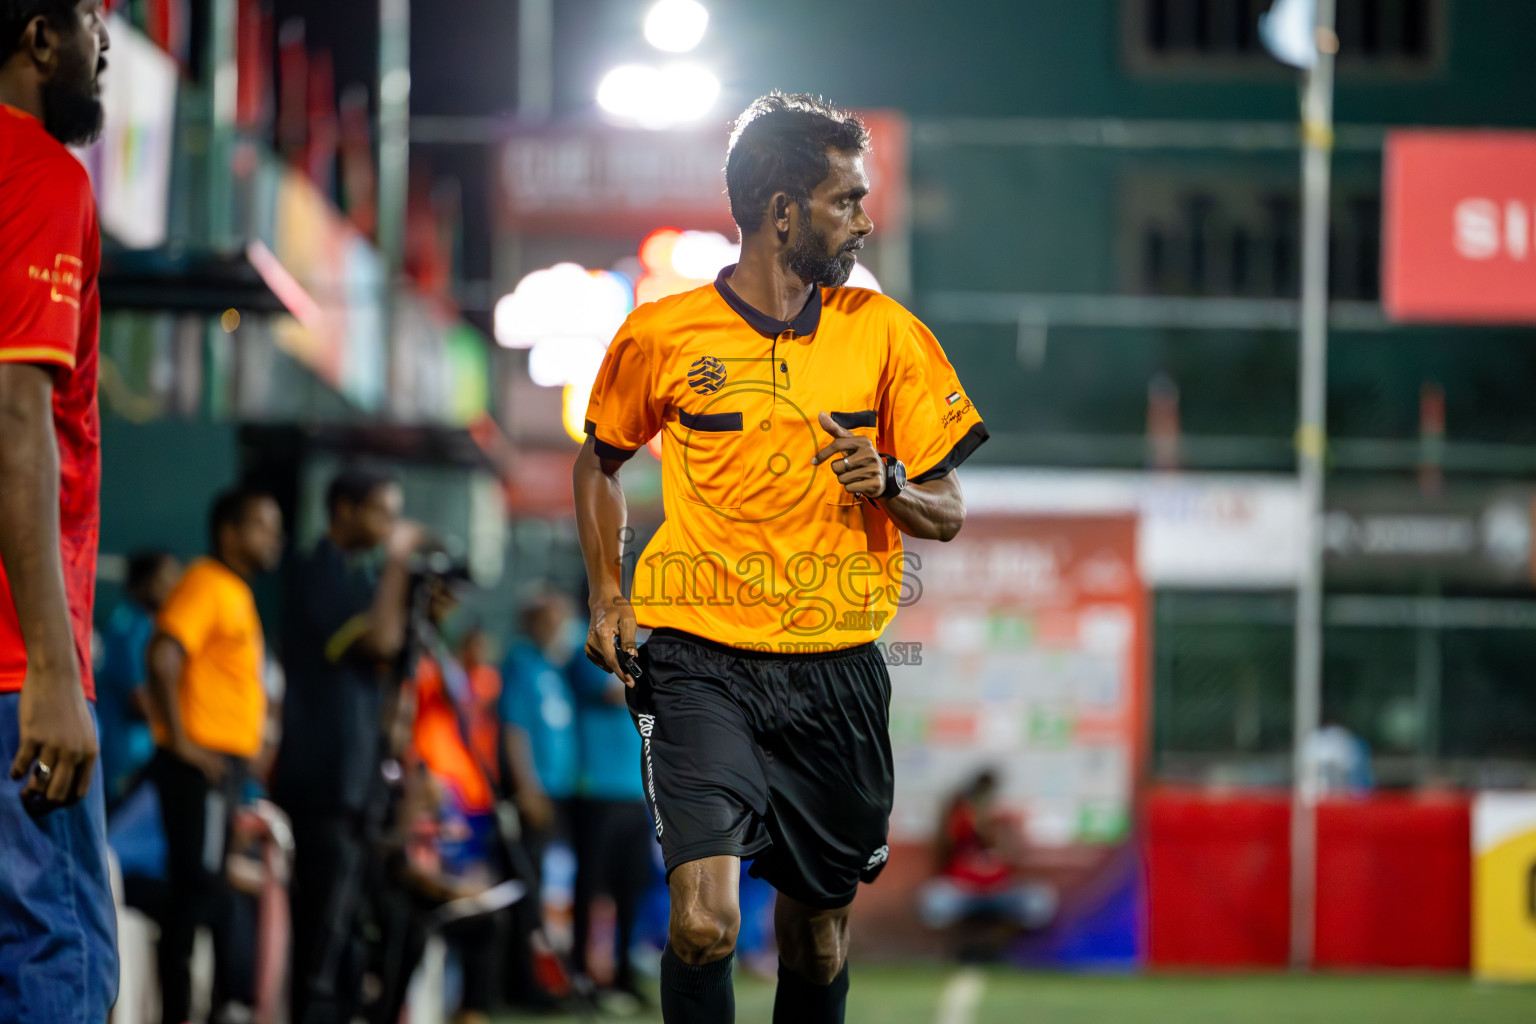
(800,1001)
(696,995)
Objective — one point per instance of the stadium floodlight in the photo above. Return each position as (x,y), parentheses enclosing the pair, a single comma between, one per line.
(1287,30)
(561,303)
(676,26)
(658,97)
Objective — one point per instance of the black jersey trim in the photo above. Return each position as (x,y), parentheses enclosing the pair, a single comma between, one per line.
(805,322)
(973,439)
(853,420)
(604,450)
(612,453)
(711,422)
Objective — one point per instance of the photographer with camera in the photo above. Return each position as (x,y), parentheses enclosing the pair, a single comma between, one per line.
(348,624)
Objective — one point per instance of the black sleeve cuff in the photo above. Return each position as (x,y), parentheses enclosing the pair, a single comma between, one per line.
(605,450)
(973,439)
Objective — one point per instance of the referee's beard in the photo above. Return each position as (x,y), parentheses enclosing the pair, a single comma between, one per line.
(807,259)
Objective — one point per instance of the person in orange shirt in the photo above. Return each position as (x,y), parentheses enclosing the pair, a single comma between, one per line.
(206,664)
(484,697)
(806,426)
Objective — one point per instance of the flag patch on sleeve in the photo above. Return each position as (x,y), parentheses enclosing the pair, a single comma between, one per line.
(953,398)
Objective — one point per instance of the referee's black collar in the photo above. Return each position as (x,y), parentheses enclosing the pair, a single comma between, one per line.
(804,323)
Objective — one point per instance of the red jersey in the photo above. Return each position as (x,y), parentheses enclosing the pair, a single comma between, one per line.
(50,314)
(972,860)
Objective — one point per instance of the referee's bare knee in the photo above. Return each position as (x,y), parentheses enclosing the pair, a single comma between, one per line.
(701,934)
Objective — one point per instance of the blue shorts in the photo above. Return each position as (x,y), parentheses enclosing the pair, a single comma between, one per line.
(58,925)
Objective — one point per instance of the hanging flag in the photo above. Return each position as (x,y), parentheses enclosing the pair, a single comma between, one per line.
(1289,31)
(359,183)
(320,153)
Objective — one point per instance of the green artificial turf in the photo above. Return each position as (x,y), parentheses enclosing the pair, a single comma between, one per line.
(911,995)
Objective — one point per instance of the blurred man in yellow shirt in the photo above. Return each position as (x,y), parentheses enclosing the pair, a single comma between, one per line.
(206,664)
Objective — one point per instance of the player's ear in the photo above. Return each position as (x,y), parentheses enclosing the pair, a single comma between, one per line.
(40,41)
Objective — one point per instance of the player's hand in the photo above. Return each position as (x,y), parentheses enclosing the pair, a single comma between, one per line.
(58,740)
(204,760)
(405,538)
(612,616)
(860,470)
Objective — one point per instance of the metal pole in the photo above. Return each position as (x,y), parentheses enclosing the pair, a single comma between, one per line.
(535,60)
(1311,443)
(394,162)
(224,81)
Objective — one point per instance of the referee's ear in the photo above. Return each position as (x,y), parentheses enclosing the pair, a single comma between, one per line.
(780,215)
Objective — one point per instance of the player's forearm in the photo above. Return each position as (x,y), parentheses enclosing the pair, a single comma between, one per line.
(165,661)
(932,511)
(29,520)
(601,514)
(525,778)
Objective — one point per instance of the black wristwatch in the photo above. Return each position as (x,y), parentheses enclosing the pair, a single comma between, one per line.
(895,476)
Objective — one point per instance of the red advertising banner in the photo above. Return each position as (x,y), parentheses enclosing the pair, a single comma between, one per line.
(615,182)
(1459,226)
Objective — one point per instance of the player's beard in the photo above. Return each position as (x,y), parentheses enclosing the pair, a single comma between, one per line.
(72,111)
(808,260)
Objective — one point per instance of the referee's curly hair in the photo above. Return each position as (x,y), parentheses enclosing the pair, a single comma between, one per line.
(779,144)
(16,15)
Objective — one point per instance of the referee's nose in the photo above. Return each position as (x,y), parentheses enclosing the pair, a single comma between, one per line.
(862,225)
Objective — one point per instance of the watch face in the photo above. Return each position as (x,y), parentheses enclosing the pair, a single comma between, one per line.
(895,475)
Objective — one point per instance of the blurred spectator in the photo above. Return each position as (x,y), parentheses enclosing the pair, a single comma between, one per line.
(444,697)
(612,828)
(978,881)
(348,622)
(1339,760)
(540,734)
(540,717)
(122,701)
(484,701)
(206,664)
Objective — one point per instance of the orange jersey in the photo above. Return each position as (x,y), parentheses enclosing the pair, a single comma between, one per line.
(212,614)
(759,547)
(439,742)
(50,314)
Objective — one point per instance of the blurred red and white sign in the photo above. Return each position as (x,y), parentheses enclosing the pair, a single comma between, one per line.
(614,182)
(1459,226)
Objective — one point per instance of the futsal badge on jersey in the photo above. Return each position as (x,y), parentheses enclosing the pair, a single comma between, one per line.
(707,375)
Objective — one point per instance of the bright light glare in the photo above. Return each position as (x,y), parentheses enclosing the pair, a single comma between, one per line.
(561,302)
(676,25)
(556,362)
(658,97)
(573,408)
(700,255)
(863,277)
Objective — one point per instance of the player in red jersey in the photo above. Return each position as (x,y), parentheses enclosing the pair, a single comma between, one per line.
(58,950)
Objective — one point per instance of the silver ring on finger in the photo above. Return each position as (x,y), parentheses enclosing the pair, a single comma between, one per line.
(44,772)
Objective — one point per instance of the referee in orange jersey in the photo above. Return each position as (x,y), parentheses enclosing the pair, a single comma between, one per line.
(807,427)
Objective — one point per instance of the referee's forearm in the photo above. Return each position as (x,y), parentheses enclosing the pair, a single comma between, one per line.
(601,514)
(930,511)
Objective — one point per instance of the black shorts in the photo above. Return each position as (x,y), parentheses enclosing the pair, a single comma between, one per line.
(784,760)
